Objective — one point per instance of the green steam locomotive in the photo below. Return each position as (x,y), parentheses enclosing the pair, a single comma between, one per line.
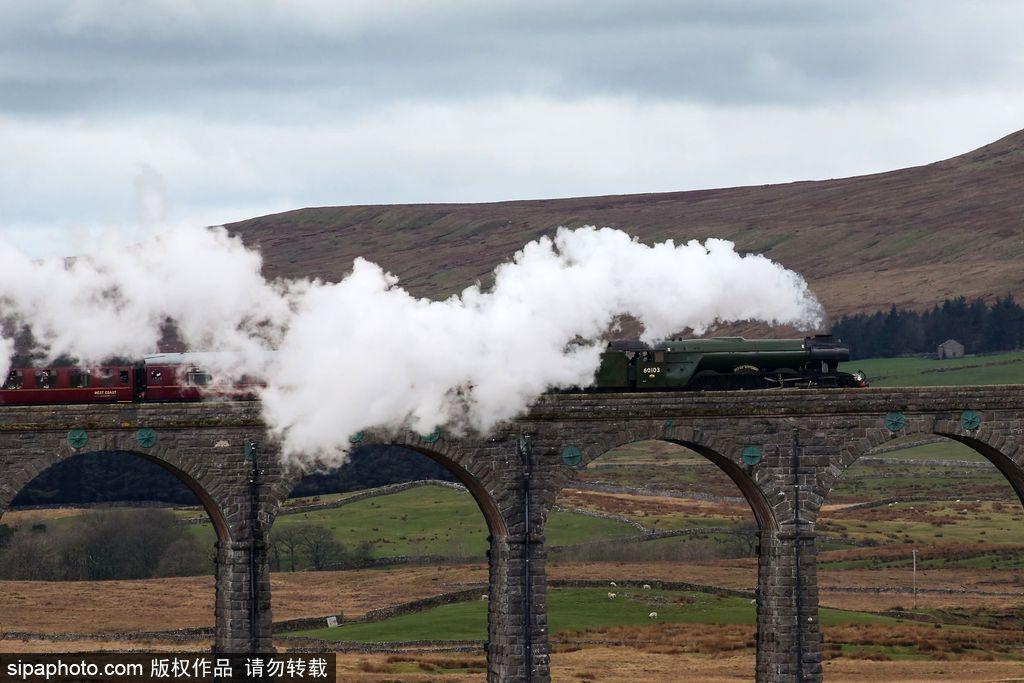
(726,364)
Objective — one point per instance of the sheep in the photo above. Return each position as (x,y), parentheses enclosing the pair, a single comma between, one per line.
(613,584)
(611,596)
(647,586)
(484,597)
(652,615)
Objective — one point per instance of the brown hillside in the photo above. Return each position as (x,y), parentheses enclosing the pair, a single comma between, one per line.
(911,237)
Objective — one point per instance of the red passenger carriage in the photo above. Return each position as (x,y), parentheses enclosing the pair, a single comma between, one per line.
(159,378)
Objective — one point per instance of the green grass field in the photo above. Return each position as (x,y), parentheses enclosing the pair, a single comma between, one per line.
(430,520)
(571,609)
(1003,368)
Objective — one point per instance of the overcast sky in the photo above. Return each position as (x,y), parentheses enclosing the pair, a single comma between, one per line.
(124,113)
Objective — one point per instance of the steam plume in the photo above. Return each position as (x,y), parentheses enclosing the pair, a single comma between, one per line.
(363,352)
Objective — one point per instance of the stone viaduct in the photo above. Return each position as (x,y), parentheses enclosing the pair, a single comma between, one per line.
(784,450)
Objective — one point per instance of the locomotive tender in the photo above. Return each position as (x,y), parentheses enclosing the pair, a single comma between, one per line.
(726,363)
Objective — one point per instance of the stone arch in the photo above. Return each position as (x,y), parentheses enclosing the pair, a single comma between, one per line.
(723,454)
(160,455)
(994,441)
(440,451)
(985,441)
(1009,468)
(466,461)
(212,486)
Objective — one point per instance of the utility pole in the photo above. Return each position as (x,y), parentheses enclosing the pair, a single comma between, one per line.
(915,577)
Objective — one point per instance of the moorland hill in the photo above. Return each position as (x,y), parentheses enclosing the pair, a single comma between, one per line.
(912,237)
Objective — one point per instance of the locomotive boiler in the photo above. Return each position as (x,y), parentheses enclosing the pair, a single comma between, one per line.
(725,364)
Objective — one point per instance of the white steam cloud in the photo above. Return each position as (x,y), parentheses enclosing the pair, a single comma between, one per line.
(364,353)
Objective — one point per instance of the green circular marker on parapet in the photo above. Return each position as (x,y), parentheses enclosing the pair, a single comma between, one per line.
(356,438)
(751,455)
(894,421)
(970,420)
(77,438)
(146,437)
(571,456)
(433,436)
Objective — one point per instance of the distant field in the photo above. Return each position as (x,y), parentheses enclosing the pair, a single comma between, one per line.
(1003,368)
(431,520)
(573,609)
(946,449)
(689,621)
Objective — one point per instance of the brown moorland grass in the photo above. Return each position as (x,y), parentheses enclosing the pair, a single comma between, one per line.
(883,602)
(40,645)
(943,643)
(106,606)
(22,517)
(902,551)
(609,664)
(939,516)
(185,602)
(666,638)
(954,579)
(630,504)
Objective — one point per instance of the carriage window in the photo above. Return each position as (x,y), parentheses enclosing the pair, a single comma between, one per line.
(123,376)
(46,379)
(198,378)
(106,377)
(14,380)
(78,379)
(156,376)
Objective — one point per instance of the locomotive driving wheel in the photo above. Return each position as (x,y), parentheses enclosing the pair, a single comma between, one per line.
(708,380)
(747,377)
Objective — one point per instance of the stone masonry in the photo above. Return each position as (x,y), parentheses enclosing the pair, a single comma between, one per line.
(785,450)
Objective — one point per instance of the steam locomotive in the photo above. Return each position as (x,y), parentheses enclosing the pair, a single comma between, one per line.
(726,363)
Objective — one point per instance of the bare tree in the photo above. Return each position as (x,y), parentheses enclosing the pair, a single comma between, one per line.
(319,543)
(287,541)
(29,555)
(104,544)
(182,557)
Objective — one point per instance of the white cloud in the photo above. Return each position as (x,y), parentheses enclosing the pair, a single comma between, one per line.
(71,174)
(246,107)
